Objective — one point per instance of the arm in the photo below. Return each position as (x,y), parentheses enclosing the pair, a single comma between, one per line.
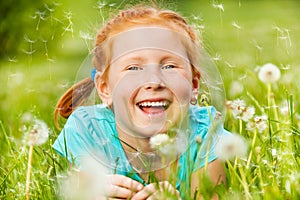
(215,172)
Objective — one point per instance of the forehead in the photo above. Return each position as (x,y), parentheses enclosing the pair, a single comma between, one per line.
(142,38)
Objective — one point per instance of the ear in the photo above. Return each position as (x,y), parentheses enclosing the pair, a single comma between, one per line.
(103,90)
(196,79)
(195,87)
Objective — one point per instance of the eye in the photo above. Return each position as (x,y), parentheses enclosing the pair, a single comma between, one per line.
(134,68)
(168,66)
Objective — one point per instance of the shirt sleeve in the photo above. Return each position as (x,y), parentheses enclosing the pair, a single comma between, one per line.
(74,142)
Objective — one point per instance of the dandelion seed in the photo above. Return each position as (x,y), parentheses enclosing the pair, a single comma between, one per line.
(27,39)
(85,35)
(265,161)
(231,146)
(269,73)
(274,152)
(101,4)
(234,24)
(220,7)
(14,59)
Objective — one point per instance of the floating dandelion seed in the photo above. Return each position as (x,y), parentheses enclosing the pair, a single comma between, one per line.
(219,7)
(231,146)
(234,24)
(269,73)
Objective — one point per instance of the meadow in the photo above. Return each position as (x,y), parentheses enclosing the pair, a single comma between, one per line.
(240,36)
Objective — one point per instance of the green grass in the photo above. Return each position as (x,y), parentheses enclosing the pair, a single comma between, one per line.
(270,32)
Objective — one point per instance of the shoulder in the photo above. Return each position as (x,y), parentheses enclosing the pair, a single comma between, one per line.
(87,114)
(203,115)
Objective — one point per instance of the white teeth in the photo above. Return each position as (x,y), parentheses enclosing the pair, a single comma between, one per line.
(152,104)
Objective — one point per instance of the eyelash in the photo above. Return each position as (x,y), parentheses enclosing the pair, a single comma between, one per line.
(170,66)
(136,67)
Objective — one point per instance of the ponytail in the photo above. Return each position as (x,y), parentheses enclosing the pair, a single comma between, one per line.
(76,96)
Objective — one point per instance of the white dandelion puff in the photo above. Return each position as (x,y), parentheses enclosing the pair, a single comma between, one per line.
(231,146)
(248,113)
(38,134)
(85,183)
(241,111)
(159,140)
(258,122)
(168,147)
(269,73)
(236,88)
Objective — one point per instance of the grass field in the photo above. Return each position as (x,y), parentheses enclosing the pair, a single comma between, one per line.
(241,36)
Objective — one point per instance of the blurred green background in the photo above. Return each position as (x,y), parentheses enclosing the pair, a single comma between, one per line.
(43,45)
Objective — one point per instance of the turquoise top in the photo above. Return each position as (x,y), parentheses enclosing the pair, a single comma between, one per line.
(90,131)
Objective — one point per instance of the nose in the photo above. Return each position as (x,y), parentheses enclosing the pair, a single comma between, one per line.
(154,86)
(154,81)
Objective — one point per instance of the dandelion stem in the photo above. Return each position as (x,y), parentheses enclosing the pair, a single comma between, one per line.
(269,95)
(240,126)
(251,152)
(30,153)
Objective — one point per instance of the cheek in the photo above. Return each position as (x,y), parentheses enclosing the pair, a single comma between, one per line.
(181,86)
(124,88)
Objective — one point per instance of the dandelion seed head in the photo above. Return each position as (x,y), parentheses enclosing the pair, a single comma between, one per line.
(257,149)
(231,146)
(248,113)
(241,111)
(88,182)
(27,117)
(159,140)
(235,88)
(284,108)
(269,73)
(198,139)
(38,134)
(250,126)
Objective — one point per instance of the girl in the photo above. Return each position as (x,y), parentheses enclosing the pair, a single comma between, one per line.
(148,132)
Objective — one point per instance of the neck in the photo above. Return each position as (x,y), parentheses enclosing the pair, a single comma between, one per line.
(134,144)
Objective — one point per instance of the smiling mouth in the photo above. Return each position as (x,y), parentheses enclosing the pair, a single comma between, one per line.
(153,107)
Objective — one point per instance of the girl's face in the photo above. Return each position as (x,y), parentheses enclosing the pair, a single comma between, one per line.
(150,81)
